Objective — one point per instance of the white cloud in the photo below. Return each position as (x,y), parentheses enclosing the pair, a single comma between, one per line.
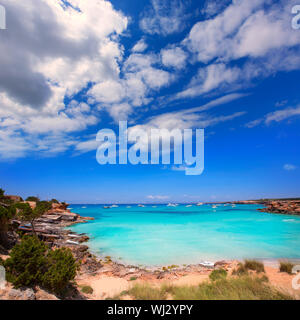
(164,17)
(141,77)
(212,7)
(276,116)
(140,46)
(210,78)
(245,29)
(289,167)
(174,57)
(50,53)
(253,123)
(157,197)
(88,145)
(109,91)
(188,119)
(280,115)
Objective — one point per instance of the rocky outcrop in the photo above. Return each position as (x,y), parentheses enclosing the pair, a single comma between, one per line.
(291,207)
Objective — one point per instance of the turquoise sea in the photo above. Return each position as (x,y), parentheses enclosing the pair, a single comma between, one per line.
(161,235)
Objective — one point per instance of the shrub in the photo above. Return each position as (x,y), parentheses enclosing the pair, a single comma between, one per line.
(218,274)
(34,199)
(87,289)
(54,201)
(254,265)
(27,262)
(32,263)
(26,213)
(240,271)
(133,278)
(286,267)
(61,269)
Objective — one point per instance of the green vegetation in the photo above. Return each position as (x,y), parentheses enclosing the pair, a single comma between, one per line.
(60,270)
(54,201)
(286,266)
(26,213)
(146,292)
(7,212)
(32,198)
(241,288)
(254,265)
(32,263)
(26,263)
(133,278)
(240,271)
(218,274)
(87,289)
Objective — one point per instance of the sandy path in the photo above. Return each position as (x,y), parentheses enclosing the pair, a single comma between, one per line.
(282,281)
(107,286)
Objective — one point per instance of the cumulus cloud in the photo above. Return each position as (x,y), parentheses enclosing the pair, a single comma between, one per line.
(174,57)
(49,52)
(141,77)
(244,29)
(164,17)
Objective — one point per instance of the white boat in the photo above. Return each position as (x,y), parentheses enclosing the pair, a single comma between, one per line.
(72,242)
(214,206)
(199,204)
(114,206)
(188,206)
(83,207)
(154,206)
(207,264)
(172,205)
(128,207)
(141,205)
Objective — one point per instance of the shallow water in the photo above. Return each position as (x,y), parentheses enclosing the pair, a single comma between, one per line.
(179,235)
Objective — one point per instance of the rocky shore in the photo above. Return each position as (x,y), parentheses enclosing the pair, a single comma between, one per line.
(291,207)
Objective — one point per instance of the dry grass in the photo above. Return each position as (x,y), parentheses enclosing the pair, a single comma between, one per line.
(286,266)
(241,288)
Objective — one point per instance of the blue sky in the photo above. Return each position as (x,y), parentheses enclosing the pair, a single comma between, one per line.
(69,69)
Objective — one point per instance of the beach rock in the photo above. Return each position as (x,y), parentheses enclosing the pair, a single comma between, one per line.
(83,239)
(29,294)
(15,294)
(221,263)
(162,275)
